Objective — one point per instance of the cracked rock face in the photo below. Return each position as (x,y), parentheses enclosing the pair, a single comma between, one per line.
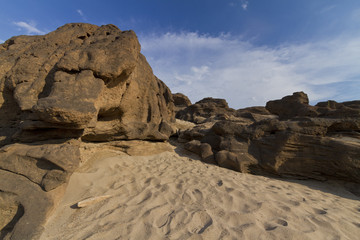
(80,81)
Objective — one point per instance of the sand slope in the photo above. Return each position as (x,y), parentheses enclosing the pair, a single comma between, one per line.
(168,196)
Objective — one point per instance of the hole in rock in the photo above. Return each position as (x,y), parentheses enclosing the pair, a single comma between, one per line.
(109,114)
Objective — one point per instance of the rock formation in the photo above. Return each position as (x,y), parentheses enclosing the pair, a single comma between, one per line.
(206,110)
(180,101)
(288,138)
(79,83)
(83,84)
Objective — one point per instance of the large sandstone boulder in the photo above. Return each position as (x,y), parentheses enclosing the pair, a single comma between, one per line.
(79,83)
(292,106)
(180,101)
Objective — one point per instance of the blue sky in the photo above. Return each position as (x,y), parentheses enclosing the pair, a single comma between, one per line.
(246,51)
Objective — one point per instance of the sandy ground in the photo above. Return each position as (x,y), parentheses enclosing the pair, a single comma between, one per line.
(172,196)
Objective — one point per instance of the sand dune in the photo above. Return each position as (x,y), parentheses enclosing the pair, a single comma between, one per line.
(172,196)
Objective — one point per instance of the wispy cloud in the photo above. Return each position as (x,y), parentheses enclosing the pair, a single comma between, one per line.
(81,13)
(244,4)
(247,75)
(29,27)
(2,41)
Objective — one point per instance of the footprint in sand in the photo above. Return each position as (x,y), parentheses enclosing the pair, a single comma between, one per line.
(200,222)
(294,203)
(285,208)
(270,227)
(234,192)
(282,222)
(273,226)
(186,198)
(252,207)
(140,198)
(320,211)
(152,181)
(198,195)
(165,219)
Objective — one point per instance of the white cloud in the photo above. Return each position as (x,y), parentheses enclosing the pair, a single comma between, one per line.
(245,5)
(226,67)
(29,27)
(80,12)
(1,41)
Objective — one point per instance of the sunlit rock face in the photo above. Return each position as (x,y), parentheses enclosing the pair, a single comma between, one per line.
(79,83)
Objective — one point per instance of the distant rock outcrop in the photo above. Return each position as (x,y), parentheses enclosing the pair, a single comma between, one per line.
(206,110)
(297,105)
(79,83)
(180,101)
(288,138)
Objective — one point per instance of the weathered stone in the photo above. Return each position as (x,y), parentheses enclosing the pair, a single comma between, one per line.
(312,156)
(332,109)
(47,165)
(28,203)
(228,160)
(180,101)
(202,149)
(193,146)
(326,146)
(207,109)
(206,153)
(255,114)
(292,106)
(241,162)
(80,81)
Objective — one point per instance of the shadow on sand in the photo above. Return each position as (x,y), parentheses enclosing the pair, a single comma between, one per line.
(339,188)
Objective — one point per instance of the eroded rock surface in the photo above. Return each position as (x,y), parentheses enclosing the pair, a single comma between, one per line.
(288,138)
(79,83)
(180,101)
(84,83)
(206,110)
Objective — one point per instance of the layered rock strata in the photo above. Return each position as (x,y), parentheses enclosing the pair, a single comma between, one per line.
(79,83)
(287,138)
